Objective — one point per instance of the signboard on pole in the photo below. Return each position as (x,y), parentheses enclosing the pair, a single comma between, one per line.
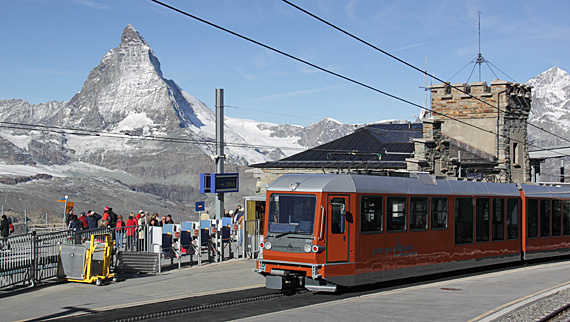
(68,206)
(200,206)
(219,182)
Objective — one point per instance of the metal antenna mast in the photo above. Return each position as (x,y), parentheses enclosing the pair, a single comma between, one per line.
(480,59)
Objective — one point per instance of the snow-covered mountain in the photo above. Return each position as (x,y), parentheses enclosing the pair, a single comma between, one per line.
(131,124)
(551,112)
(550,106)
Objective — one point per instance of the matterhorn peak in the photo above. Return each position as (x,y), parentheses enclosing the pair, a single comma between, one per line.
(131,36)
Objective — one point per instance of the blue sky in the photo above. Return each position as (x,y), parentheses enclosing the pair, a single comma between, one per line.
(50,46)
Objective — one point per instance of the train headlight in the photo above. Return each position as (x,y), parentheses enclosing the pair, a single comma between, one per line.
(308,248)
(268,245)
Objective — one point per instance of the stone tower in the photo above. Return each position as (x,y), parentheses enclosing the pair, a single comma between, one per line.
(490,119)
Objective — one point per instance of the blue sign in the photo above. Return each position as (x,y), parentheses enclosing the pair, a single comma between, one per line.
(219,182)
(200,206)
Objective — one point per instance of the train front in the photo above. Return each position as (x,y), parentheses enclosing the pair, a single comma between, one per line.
(293,243)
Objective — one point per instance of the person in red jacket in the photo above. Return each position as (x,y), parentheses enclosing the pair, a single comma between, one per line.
(119,231)
(130,231)
(83,219)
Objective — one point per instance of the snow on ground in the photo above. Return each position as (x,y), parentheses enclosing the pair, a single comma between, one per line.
(253,135)
(74,169)
(20,141)
(134,121)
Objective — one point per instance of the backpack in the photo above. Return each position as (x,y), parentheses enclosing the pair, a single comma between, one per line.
(11,228)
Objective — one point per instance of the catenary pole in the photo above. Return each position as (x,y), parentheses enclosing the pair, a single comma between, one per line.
(219,148)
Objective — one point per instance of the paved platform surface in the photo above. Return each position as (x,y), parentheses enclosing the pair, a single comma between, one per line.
(53,300)
(480,297)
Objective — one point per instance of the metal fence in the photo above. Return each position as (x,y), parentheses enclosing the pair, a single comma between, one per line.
(33,257)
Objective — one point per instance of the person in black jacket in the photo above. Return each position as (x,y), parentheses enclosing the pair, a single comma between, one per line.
(5,232)
(93,219)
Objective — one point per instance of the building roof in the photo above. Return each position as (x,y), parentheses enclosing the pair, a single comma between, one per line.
(377,146)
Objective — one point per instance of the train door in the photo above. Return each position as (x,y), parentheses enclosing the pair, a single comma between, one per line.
(338,228)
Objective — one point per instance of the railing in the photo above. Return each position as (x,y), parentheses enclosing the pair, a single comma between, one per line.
(33,257)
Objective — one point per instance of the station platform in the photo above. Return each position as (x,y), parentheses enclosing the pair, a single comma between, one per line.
(54,300)
(481,297)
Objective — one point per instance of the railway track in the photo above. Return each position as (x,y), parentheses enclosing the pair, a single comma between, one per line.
(562,314)
(259,301)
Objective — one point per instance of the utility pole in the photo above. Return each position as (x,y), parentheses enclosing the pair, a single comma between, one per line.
(219,148)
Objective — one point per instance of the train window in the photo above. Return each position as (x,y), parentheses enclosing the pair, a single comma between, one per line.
(482,219)
(438,212)
(498,224)
(566,219)
(372,214)
(463,220)
(545,217)
(556,217)
(512,218)
(418,213)
(290,213)
(532,217)
(337,215)
(396,214)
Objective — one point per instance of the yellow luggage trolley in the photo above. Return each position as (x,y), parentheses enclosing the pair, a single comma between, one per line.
(88,262)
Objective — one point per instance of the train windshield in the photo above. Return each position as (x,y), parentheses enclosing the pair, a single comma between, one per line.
(292,213)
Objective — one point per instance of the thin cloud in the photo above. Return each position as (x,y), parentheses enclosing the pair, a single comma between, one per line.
(294,93)
(92,4)
(410,46)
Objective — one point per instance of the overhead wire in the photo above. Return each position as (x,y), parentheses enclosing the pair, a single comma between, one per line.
(340,75)
(410,65)
(125,136)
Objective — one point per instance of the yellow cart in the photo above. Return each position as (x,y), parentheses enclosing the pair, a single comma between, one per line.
(88,262)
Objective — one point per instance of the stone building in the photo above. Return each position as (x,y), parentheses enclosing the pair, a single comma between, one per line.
(476,130)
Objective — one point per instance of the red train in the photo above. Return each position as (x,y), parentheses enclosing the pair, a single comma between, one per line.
(322,231)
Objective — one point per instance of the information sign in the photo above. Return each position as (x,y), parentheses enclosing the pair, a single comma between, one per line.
(200,206)
(219,182)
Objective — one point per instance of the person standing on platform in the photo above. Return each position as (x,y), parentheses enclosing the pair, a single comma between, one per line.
(83,220)
(240,217)
(119,231)
(92,219)
(130,232)
(142,232)
(5,232)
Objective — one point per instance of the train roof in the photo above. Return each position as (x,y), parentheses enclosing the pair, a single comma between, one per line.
(536,191)
(420,184)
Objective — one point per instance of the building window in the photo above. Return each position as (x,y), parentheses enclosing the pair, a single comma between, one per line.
(396,214)
(371,214)
(516,154)
(418,213)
